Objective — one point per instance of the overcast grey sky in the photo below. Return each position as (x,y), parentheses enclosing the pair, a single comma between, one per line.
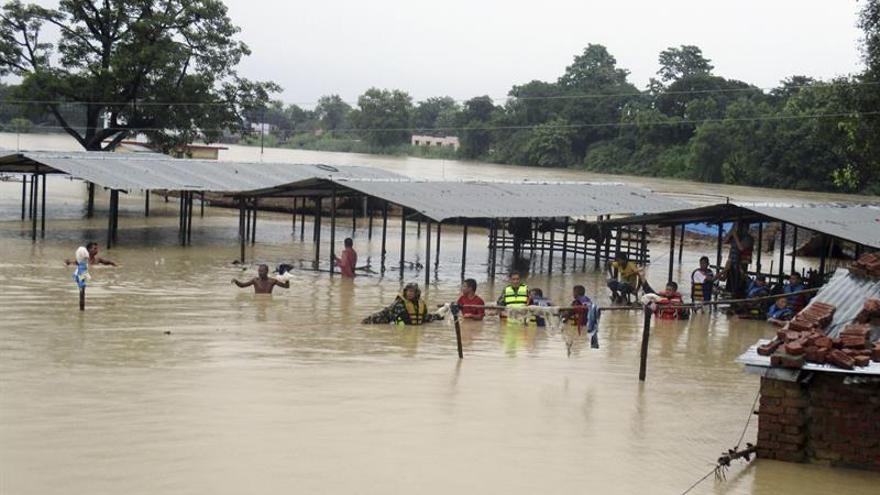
(467,48)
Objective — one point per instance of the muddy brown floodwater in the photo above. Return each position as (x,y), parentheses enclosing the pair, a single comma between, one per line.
(290,394)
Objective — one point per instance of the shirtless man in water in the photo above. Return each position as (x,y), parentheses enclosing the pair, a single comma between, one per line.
(94,259)
(262,283)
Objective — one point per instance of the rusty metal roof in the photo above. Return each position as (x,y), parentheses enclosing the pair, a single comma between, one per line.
(848,294)
(442,200)
(157,171)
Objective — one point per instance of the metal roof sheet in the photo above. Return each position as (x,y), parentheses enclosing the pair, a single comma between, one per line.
(442,200)
(858,223)
(848,294)
(156,171)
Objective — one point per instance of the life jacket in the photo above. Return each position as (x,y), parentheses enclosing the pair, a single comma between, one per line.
(699,290)
(415,313)
(518,297)
(665,311)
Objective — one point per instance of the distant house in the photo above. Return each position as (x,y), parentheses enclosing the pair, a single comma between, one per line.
(262,127)
(196,151)
(446,141)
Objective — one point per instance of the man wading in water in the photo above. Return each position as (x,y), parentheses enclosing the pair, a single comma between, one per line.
(94,259)
(262,283)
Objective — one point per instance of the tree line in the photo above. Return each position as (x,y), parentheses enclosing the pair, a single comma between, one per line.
(174,79)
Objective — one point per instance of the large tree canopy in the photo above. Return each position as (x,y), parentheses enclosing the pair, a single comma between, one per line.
(165,68)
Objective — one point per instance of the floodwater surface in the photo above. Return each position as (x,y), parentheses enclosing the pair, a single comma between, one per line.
(175,381)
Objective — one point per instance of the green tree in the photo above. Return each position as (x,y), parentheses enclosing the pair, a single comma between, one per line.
(684,61)
(550,145)
(476,135)
(162,67)
(594,68)
(435,112)
(383,116)
(333,112)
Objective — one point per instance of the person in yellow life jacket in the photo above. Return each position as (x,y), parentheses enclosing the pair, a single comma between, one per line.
(408,308)
(516,293)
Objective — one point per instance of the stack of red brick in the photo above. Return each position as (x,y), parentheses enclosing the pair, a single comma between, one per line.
(867,266)
(803,340)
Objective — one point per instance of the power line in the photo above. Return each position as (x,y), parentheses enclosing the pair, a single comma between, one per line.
(644,94)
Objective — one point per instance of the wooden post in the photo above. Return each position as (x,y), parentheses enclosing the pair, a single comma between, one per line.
(644,244)
(110,221)
(601,228)
(332,229)
(247,218)
(384,232)
(189,219)
(201,204)
(43,209)
(671,251)
(794,241)
(825,245)
(293,219)
(146,202)
(552,246)
(646,335)
(82,298)
(369,221)
(464,250)
(32,204)
(455,318)
(24,184)
(302,221)
(720,242)
(782,252)
(90,202)
(427,253)
(318,214)
(354,219)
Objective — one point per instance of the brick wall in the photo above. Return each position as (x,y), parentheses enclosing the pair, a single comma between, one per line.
(821,421)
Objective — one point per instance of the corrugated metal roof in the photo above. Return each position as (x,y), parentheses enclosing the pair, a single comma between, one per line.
(848,294)
(442,200)
(858,223)
(156,171)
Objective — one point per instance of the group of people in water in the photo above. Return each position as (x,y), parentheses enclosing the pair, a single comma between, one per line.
(626,280)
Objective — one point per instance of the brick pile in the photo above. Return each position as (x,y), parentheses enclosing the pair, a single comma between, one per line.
(826,421)
(803,339)
(867,266)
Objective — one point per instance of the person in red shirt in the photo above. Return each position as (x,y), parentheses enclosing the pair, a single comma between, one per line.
(347,263)
(469,298)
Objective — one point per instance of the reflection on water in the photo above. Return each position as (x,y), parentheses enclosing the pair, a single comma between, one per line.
(175,381)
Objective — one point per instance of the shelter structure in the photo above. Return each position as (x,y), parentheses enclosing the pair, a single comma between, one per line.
(857,225)
(519,216)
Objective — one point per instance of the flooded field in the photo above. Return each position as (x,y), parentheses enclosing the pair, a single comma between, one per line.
(176,381)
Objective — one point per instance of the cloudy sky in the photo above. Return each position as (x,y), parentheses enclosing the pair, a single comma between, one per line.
(465,48)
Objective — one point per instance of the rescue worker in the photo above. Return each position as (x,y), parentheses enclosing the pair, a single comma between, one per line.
(516,294)
(408,308)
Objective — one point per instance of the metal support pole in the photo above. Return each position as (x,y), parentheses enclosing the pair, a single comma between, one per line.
(437,253)
(201,204)
(302,221)
(242,228)
(720,242)
(601,228)
(146,202)
(293,219)
(180,216)
(825,246)
(354,219)
(760,246)
(644,244)
(189,219)
(43,210)
(369,222)
(418,228)
(493,233)
(247,219)
(552,246)
(24,184)
(565,244)
(254,224)
(90,203)
(402,238)
(36,190)
(33,195)
(464,240)
(646,335)
(782,252)
(384,232)
(318,220)
(794,241)
(333,229)
(671,251)
(427,253)
(681,244)
(110,222)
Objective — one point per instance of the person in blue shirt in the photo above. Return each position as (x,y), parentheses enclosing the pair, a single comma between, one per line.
(536,298)
(779,313)
(758,287)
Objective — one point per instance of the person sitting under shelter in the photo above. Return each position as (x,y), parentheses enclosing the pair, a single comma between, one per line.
(702,282)
(408,308)
(470,303)
(262,283)
(629,278)
(795,284)
(755,310)
(779,313)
